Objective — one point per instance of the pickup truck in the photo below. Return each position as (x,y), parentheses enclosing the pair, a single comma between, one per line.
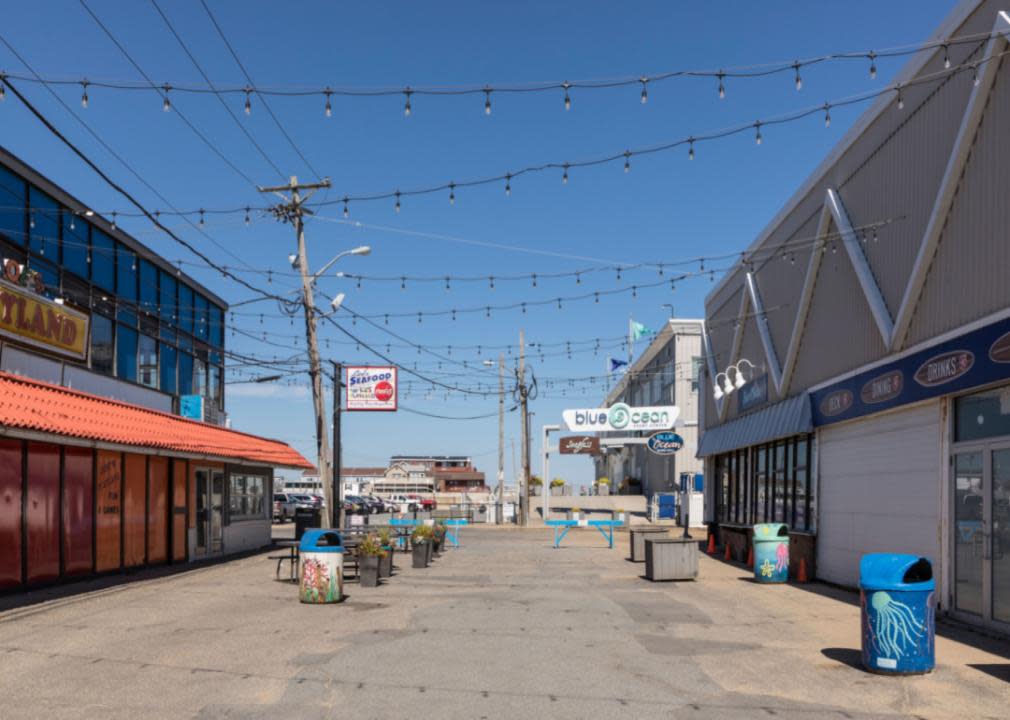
(284,506)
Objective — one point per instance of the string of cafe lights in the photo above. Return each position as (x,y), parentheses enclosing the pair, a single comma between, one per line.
(563,88)
(897,90)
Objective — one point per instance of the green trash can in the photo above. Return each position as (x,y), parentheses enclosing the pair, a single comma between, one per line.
(771,553)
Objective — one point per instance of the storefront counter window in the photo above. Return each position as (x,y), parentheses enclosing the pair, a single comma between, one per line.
(767,483)
(247,497)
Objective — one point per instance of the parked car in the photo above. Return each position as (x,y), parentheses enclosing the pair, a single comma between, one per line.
(284,507)
(354,505)
(423,503)
(404,503)
(307,501)
(374,504)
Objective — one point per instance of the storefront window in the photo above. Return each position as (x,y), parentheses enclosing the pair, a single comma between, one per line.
(148,355)
(982,415)
(779,514)
(186,308)
(12,207)
(75,245)
(247,497)
(103,260)
(101,344)
(802,481)
(148,288)
(168,368)
(166,299)
(761,506)
(185,373)
(200,377)
(126,353)
(44,228)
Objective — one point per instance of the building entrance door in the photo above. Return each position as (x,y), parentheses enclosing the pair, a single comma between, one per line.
(981,542)
(209,509)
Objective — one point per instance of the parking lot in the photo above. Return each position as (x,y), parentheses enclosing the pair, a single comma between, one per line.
(504,627)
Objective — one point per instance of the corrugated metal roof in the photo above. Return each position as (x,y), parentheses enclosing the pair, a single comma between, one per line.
(789,417)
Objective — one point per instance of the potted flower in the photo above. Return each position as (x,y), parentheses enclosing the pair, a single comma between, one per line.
(420,543)
(602,486)
(386,563)
(535,484)
(620,515)
(557,486)
(370,553)
(438,537)
(575,513)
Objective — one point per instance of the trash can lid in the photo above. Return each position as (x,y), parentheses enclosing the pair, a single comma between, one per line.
(894,571)
(766,532)
(321,541)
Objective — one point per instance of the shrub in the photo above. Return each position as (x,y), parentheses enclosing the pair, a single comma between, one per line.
(370,545)
(557,482)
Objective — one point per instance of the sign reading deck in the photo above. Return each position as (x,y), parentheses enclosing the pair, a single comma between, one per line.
(38,321)
(371,388)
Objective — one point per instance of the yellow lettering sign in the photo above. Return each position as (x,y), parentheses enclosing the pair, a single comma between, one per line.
(41,322)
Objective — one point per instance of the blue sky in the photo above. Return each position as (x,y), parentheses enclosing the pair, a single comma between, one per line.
(666,209)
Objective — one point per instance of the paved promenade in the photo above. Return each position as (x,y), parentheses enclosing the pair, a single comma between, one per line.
(505,627)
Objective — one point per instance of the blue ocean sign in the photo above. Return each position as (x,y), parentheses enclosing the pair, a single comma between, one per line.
(665,442)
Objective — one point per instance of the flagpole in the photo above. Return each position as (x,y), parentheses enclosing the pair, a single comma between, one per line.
(631,331)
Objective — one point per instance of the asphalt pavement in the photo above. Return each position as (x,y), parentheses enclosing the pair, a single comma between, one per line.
(504,627)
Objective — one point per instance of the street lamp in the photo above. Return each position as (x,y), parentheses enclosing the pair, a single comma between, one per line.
(728,386)
(362,250)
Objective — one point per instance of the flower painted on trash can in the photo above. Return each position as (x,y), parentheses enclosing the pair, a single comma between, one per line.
(767,569)
(315,580)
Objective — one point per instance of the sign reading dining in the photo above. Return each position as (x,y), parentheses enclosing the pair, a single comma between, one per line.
(41,322)
(370,388)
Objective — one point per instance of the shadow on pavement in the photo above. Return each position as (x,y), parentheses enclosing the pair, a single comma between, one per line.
(997,670)
(845,656)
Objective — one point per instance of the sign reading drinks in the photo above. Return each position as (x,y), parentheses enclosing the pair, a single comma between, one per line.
(974,359)
(370,388)
(579,445)
(38,321)
(621,417)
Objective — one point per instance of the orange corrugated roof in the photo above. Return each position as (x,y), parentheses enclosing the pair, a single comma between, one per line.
(33,405)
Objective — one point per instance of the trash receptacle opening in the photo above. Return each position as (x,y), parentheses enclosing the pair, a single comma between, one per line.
(920,571)
(784,531)
(329,539)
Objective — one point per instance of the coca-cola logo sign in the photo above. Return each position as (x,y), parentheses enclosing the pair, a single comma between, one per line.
(579,445)
(999,351)
(836,403)
(944,368)
(883,387)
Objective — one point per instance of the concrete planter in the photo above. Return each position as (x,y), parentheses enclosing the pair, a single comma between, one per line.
(419,554)
(557,491)
(386,564)
(671,559)
(602,489)
(574,515)
(369,567)
(638,537)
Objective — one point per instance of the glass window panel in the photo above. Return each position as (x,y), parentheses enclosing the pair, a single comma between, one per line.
(75,245)
(50,277)
(969,532)
(982,415)
(801,499)
(126,353)
(200,377)
(148,287)
(217,386)
(247,497)
(201,322)
(126,312)
(761,509)
(13,201)
(101,344)
(44,214)
(216,326)
(186,308)
(148,356)
(168,369)
(1000,536)
(126,273)
(778,514)
(166,298)
(103,260)
(185,374)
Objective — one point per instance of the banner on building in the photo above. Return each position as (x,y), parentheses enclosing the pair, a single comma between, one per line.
(621,417)
(579,445)
(370,388)
(36,320)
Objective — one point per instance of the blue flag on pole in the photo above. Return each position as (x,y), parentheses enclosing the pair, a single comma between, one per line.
(617,366)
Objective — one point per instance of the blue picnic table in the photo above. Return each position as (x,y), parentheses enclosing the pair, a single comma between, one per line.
(453,527)
(606,528)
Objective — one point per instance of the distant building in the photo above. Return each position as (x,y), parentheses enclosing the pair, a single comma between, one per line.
(361,480)
(666,373)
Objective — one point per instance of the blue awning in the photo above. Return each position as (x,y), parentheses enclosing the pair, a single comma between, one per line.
(781,420)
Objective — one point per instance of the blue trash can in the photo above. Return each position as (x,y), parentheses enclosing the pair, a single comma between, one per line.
(897,597)
(321,567)
(771,553)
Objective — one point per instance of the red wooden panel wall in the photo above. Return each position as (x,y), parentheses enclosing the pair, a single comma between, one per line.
(78,510)
(157,510)
(134,509)
(10,513)
(43,512)
(179,539)
(108,510)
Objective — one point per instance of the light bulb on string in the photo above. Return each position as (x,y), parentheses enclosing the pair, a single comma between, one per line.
(419,318)
(247,221)
(84,94)
(799,80)
(452,193)
(406,105)
(645,90)
(346,210)
(447,288)
(634,291)
(564,176)
(873,65)
(975,79)
(690,148)
(31,220)
(72,226)
(627,161)
(508,185)
(946,57)
(202,222)
(487,312)
(722,88)
(827,115)
(403,282)
(661,269)
(568,100)
(490,282)
(523,305)
(757,132)
(596,298)
(901,99)
(559,303)
(328,108)
(397,206)
(166,104)
(248,101)
(578,278)
(113,219)
(534,278)
(487,101)
(3,87)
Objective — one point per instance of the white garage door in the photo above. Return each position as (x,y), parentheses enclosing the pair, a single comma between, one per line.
(879,490)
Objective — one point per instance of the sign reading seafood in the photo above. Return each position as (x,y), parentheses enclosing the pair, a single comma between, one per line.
(370,388)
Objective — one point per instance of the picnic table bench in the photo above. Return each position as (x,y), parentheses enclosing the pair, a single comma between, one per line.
(561,528)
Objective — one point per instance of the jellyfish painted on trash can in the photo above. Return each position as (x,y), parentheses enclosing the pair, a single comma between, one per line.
(893,627)
(781,557)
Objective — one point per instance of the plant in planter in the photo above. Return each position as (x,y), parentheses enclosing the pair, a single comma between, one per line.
(420,541)
(620,515)
(386,563)
(575,513)
(438,536)
(535,484)
(370,553)
(557,486)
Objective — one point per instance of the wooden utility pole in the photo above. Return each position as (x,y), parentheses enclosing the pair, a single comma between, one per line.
(292,210)
(524,479)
